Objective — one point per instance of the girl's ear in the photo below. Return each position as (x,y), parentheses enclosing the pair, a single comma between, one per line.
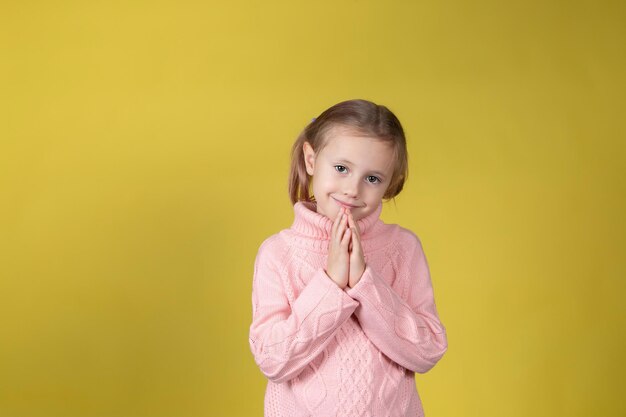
(309,158)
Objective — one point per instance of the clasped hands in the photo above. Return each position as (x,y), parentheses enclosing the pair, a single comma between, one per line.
(346,262)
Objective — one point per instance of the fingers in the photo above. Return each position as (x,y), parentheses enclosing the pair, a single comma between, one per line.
(342,224)
(356,244)
(336,223)
(345,231)
(356,241)
(353,225)
(345,241)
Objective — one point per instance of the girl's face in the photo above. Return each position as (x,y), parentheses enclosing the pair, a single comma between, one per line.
(352,171)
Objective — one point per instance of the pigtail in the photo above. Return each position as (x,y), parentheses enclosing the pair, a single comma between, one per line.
(298,177)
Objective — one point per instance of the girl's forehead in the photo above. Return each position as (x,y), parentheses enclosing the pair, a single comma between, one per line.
(341,136)
(344,137)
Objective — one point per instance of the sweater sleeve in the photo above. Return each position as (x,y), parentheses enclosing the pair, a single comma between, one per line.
(407,330)
(285,338)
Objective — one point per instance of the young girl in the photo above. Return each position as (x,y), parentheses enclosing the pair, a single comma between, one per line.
(343,306)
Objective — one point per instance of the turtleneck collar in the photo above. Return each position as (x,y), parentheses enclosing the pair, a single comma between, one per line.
(314,229)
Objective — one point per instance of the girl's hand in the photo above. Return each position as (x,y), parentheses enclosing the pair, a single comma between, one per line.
(357,260)
(338,263)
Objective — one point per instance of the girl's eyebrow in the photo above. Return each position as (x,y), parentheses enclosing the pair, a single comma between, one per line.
(345,161)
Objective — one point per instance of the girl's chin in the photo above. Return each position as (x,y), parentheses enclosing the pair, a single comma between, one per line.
(356,217)
(333,211)
(357,214)
(331,214)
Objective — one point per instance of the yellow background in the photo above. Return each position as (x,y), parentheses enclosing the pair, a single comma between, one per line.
(144,149)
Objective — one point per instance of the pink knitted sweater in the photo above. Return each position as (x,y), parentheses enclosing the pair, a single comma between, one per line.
(333,352)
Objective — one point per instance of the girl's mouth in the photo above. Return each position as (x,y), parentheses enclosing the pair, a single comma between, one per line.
(341,203)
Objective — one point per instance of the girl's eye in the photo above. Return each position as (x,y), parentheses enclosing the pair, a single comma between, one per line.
(372,179)
(340,168)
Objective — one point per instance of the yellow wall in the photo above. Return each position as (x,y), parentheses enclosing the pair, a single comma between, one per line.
(143,157)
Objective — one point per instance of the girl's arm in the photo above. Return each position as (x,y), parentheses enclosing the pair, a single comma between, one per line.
(285,338)
(406,329)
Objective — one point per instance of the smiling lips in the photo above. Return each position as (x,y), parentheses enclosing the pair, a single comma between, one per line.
(341,203)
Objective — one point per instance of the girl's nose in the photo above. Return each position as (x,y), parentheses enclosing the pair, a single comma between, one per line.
(351,187)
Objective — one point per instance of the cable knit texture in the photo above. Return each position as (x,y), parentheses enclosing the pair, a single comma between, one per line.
(333,352)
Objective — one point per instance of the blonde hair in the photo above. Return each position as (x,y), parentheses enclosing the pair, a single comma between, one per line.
(362,117)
